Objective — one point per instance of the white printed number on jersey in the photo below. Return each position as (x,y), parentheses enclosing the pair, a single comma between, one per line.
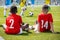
(44,24)
(12,22)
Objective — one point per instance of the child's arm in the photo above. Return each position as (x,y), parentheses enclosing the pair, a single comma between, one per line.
(52,28)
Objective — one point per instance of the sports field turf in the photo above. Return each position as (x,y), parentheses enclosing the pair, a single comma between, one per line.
(55,10)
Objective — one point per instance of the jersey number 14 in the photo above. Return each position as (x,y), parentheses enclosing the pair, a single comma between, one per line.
(44,24)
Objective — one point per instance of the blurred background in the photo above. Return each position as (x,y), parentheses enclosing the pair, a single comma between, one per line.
(36,2)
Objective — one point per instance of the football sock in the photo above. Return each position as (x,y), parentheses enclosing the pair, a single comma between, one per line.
(4,12)
(21,14)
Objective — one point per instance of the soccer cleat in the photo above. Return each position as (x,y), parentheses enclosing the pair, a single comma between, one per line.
(4,26)
(4,16)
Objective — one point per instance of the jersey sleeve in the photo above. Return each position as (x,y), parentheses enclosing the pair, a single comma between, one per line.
(50,18)
(6,21)
(39,19)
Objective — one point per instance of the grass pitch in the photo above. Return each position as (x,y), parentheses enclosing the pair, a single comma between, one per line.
(55,10)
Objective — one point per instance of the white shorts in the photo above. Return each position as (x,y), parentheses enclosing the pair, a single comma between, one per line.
(5,26)
(20,31)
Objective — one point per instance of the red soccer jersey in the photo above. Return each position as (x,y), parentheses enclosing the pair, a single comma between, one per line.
(44,22)
(13,23)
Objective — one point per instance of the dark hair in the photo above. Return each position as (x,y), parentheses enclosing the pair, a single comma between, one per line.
(46,7)
(13,9)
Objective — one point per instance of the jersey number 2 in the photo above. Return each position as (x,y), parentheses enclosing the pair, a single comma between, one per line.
(12,22)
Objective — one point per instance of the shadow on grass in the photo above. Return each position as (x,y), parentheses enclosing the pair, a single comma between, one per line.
(29,16)
(1,26)
(52,33)
(23,34)
(57,33)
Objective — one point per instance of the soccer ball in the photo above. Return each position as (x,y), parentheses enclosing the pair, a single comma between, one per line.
(30,14)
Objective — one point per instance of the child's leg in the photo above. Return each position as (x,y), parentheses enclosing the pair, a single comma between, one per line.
(25,27)
(4,11)
(22,12)
(4,26)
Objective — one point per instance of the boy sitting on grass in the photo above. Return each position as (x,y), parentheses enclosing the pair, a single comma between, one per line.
(14,23)
(45,20)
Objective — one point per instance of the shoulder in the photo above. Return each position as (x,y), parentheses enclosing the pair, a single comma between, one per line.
(49,14)
(18,16)
(9,16)
(41,14)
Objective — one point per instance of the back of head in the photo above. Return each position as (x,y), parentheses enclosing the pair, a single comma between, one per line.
(46,7)
(13,9)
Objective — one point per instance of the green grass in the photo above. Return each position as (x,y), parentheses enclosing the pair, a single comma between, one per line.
(55,10)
